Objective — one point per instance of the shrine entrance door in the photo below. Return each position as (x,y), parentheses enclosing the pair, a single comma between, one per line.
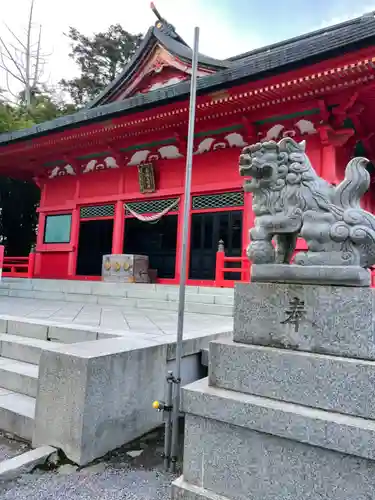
(157,240)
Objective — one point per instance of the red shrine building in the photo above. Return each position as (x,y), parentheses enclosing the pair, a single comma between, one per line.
(112,175)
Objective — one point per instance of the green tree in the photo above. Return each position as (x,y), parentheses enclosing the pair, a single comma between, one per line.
(100,58)
(19,199)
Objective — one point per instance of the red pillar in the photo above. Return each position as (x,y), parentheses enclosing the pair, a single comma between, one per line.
(247,223)
(39,242)
(333,154)
(247,220)
(180,230)
(41,227)
(328,163)
(30,270)
(118,228)
(2,249)
(74,235)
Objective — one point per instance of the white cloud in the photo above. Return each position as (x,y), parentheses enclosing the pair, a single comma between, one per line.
(350,12)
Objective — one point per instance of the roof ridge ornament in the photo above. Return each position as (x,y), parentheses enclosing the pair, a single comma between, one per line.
(162,25)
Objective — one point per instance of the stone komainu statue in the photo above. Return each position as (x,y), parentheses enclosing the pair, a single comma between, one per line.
(291,200)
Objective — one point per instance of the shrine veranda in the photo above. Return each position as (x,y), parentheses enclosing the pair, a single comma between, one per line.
(104,169)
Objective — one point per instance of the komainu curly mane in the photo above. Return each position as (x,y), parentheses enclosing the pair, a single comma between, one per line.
(290,199)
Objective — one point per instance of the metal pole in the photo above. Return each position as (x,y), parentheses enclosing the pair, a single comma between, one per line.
(168,422)
(183,267)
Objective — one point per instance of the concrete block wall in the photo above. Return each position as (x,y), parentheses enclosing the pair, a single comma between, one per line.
(93,399)
(95,396)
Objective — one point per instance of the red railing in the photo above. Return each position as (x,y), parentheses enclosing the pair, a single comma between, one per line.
(17,267)
(245,266)
(221,260)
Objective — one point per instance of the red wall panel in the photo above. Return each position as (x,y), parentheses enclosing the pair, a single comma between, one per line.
(170,173)
(217,168)
(99,183)
(54,265)
(59,191)
(131,184)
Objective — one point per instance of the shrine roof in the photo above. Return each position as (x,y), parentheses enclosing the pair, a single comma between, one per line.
(162,34)
(333,37)
(271,60)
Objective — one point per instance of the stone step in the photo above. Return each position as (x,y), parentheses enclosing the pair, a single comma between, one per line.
(101,288)
(242,446)
(333,383)
(24,349)
(17,413)
(222,306)
(343,433)
(18,376)
(104,293)
(129,297)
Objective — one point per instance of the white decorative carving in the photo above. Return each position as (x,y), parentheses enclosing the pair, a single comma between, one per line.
(289,133)
(54,173)
(235,140)
(60,171)
(153,157)
(139,157)
(306,127)
(109,162)
(169,152)
(90,167)
(69,170)
(167,83)
(205,146)
(274,132)
(220,145)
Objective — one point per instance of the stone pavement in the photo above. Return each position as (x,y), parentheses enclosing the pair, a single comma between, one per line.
(10,447)
(114,319)
(117,476)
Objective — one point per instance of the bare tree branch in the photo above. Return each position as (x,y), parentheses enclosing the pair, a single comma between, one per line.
(8,87)
(27,87)
(5,98)
(37,61)
(22,59)
(15,36)
(11,57)
(4,66)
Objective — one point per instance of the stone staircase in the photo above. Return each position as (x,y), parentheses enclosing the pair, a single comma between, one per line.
(19,359)
(201,300)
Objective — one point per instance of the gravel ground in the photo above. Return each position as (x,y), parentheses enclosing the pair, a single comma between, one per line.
(10,448)
(119,475)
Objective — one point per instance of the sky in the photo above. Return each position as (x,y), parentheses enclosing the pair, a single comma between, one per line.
(227,27)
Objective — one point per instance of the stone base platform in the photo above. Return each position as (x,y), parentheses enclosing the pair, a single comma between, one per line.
(324,319)
(313,275)
(240,446)
(287,410)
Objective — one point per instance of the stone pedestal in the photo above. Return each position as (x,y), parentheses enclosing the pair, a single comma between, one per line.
(288,408)
(125,268)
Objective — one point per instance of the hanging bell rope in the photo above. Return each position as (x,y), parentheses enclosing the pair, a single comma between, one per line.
(155,217)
